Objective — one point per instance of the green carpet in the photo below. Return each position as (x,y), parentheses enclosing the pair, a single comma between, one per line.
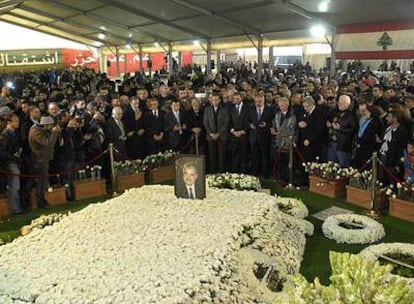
(316,259)
(315,262)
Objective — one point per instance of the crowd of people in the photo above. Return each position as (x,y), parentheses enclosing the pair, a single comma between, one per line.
(57,121)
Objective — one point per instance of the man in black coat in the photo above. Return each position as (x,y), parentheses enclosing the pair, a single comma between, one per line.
(195,126)
(393,145)
(311,130)
(154,127)
(239,128)
(216,122)
(345,124)
(115,132)
(176,127)
(260,120)
(135,128)
(10,151)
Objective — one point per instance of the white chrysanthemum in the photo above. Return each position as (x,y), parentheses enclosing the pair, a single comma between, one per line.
(367,230)
(151,246)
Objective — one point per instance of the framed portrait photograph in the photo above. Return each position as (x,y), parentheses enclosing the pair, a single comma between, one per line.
(190,177)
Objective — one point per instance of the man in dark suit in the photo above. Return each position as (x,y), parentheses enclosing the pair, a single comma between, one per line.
(311,130)
(191,185)
(115,132)
(260,118)
(134,123)
(239,127)
(196,127)
(216,122)
(393,145)
(154,127)
(176,127)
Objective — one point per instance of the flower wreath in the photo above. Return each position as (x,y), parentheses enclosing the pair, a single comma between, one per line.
(352,229)
(374,252)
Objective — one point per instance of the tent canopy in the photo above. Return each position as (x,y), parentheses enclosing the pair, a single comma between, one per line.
(117,22)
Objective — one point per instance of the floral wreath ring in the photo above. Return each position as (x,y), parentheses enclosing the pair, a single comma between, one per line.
(373,252)
(366,230)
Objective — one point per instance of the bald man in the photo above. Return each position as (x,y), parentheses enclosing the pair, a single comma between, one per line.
(345,125)
(115,132)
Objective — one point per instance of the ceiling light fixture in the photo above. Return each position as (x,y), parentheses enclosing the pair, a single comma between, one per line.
(323,6)
(156,44)
(101,35)
(318,30)
(196,42)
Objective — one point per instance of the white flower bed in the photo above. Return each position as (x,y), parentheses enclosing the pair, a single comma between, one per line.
(233,181)
(373,252)
(292,206)
(147,246)
(371,231)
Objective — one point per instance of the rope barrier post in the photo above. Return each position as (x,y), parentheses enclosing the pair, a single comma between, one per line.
(290,166)
(374,164)
(112,164)
(196,144)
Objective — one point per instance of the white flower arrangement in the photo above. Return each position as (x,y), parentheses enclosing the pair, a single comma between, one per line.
(165,158)
(403,191)
(149,245)
(233,181)
(128,167)
(292,206)
(375,252)
(352,229)
(328,170)
(353,280)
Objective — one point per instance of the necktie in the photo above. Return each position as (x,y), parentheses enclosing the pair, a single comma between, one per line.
(156,114)
(259,113)
(238,109)
(177,117)
(121,127)
(190,192)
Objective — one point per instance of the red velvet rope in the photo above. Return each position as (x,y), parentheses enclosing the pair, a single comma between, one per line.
(77,168)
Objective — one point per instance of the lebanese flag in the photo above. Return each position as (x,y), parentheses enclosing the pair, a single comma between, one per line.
(363,41)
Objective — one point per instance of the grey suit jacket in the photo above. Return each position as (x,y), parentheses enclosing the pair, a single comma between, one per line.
(223,122)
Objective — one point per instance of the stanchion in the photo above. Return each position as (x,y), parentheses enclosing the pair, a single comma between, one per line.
(112,164)
(372,212)
(196,143)
(290,166)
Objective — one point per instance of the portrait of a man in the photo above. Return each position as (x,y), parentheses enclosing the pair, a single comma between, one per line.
(190,177)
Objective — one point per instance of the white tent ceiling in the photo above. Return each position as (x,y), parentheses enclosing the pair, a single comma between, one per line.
(149,21)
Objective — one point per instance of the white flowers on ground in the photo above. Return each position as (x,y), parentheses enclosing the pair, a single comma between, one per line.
(374,252)
(352,229)
(292,206)
(41,222)
(233,181)
(147,246)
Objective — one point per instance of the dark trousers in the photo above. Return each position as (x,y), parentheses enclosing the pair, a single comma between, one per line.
(282,164)
(216,155)
(260,159)
(38,168)
(238,154)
